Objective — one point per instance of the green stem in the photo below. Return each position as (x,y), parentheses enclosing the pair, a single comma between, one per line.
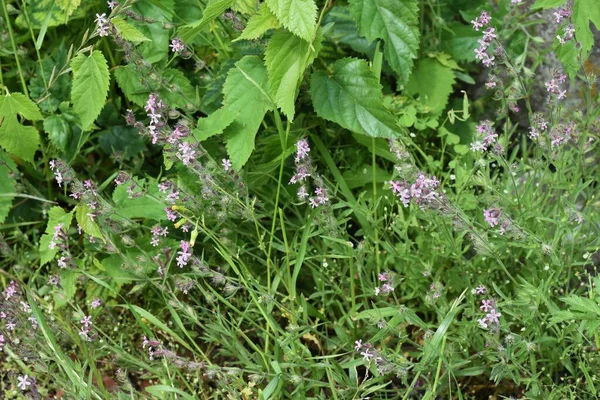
(14,46)
(377,65)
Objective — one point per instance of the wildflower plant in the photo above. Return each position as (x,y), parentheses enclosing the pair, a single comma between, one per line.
(366,199)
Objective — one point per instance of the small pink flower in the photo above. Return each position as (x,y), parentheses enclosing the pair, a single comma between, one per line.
(486,305)
(177,45)
(86,321)
(226,164)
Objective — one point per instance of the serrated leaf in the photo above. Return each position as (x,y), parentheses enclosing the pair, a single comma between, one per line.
(344,30)
(43,14)
(68,6)
(7,185)
(178,92)
(213,9)
(287,56)
(88,225)
(59,132)
(21,141)
(143,203)
(352,98)
(298,16)
(68,282)
(90,86)
(568,55)
(56,216)
(128,79)
(259,23)
(460,41)
(584,12)
(244,94)
(394,22)
(432,82)
(214,124)
(128,31)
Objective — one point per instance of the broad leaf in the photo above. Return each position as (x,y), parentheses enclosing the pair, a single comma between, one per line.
(19,140)
(585,11)
(7,184)
(69,5)
(59,132)
(460,41)
(344,30)
(395,22)
(90,86)
(56,216)
(68,282)
(352,98)
(128,31)
(259,23)
(298,16)
(287,56)
(244,95)
(545,4)
(142,203)
(213,9)
(88,224)
(432,82)
(214,124)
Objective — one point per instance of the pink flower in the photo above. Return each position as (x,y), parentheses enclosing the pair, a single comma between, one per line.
(177,45)
(492,216)
(493,316)
(226,164)
(86,321)
(486,305)
(302,149)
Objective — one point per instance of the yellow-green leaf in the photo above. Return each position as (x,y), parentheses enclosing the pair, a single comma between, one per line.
(90,86)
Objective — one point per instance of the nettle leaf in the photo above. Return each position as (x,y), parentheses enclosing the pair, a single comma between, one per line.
(344,30)
(128,31)
(287,57)
(214,124)
(90,86)
(244,95)
(395,22)
(460,41)
(546,4)
(585,11)
(432,82)
(19,140)
(68,284)
(7,184)
(59,131)
(88,225)
(142,203)
(259,23)
(68,6)
(298,16)
(178,92)
(352,98)
(129,80)
(213,9)
(46,14)
(56,216)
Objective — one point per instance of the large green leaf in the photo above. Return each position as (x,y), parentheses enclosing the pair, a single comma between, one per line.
(144,203)
(460,41)
(585,11)
(214,124)
(86,222)
(395,22)
(59,131)
(7,184)
(432,82)
(128,31)
(90,86)
(68,6)
(352,98)
(244,94)
(287,57)
(298,16)
(17,139)
(213,9)
(545,4)
(56,216)
(259,23)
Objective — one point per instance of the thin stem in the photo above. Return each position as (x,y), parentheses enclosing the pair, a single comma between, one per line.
(14,46)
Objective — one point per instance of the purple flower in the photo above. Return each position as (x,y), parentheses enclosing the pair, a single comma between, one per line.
(112,4)
(96,303)
(486,305)
(86,321)
(184,254)
(480,289)
(302,149)
(177,45)
(493,316)
(492,216)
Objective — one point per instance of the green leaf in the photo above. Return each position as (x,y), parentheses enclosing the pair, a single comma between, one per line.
(127,31)
(69,5)
(213,9)
(259,23)
(56,216)
(142,203)
(460,41)
(433,83)
(568,55)
(394,22)
(244,95)
(287,56)
(298,16)
(178,92)
(546,4)
(160,390)
(59,132)
(344,30)
(129,80)
(214,124)
(585,11)
(89,226)
(7,185)
(352,98)
(90,86)
(42,14)
(19,140)
(68,282)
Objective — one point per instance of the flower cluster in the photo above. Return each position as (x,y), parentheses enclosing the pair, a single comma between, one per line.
(305,170)
(491,319)
(103,24)
(157,232)
(561,14)
(486,137)
(562,134)
(370,353)
(154,110)
(387,287)
(552,86)
(495,217)
(568,34)
(538,125)
(489,35)
(184,254)
(422,192)
(177,45)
